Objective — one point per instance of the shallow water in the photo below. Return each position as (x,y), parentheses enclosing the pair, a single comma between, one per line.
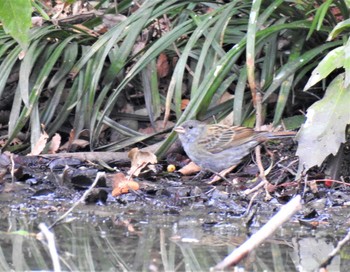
(137,237)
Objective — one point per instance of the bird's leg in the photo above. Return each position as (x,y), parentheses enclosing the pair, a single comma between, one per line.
(222,174)
(268,151)
(217,176)
(200,175)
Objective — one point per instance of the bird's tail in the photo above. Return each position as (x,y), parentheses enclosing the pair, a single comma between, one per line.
(280,134)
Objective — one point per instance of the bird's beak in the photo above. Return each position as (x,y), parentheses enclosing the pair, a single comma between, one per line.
(179,130)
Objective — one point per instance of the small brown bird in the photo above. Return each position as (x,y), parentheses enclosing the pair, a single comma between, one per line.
(218,147)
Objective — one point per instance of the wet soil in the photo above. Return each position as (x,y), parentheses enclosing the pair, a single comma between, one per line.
(173,222)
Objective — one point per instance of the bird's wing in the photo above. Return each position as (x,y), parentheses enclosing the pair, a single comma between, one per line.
(220,137)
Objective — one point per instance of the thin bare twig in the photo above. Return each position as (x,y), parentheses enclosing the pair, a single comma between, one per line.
(255,188)
(81,199)
(258,148)
(251,202)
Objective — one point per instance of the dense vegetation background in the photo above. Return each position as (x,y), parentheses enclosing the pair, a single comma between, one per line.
(117,73)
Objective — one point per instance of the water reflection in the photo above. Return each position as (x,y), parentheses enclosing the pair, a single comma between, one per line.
(126,239)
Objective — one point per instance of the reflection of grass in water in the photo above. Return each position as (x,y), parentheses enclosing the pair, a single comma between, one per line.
(78,244)
(90,243)
(19,250)
(168,257)
(93,245)
(141,240)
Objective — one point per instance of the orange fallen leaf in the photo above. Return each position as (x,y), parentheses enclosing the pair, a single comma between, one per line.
(122,184)
(190,169)
(184,103)
(139,160)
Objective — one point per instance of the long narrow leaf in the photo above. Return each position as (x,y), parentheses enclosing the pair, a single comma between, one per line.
(26,69)
(6,67)
(148,56)
(37,88)
(291,67)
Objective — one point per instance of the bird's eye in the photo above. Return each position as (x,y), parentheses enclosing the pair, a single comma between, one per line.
(190,127)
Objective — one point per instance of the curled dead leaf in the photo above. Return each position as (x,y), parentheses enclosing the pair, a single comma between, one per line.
(40,144)
(139,160)
(122,184)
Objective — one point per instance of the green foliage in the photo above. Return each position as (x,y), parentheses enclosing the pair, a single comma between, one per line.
(293,122)
(324,129)
(16,19)
(213,46)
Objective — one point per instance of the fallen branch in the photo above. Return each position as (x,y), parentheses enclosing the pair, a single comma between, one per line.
(89,156)
(286,212)
(335,251)
(103,156)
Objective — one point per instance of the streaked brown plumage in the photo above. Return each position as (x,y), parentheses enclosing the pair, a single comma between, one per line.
(218,147)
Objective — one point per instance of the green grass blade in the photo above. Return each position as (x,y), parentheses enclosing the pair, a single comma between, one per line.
(6,66)
(37,88)
(292,66)
(239,97)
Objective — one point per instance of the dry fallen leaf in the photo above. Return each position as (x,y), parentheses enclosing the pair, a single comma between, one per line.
(139,160)
(68,144)
(190,169)
(55,144)
(37,21)
(184,103)
(162,65)
(77,142)
(313,186)
(40,144)
(138,46)
(122,184)
(79,28)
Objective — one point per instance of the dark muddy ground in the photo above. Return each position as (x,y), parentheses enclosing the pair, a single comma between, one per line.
(173,223)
